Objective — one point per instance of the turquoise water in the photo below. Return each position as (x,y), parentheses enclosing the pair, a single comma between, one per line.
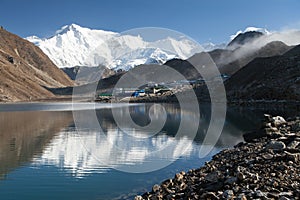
(43,155)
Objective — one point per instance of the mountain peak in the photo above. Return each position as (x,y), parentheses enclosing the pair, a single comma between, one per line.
(244,38)
(67,28)
(262,30)
(250,29)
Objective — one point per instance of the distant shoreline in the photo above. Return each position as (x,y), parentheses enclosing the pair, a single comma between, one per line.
(161,99)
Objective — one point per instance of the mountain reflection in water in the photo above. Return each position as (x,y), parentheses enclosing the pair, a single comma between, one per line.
(43,155)
(84,150)
(24,135)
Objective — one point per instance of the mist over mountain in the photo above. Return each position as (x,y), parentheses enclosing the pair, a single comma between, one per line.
(250,44)
(230,62)
(244,38)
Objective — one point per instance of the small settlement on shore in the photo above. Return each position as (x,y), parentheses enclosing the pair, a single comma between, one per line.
(151,92)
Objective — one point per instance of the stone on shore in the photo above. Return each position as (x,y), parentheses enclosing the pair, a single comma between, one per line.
(267,166)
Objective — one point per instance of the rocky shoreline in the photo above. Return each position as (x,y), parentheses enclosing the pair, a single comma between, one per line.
(265,166)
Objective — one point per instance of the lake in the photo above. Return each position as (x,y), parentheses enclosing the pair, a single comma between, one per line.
(48,151)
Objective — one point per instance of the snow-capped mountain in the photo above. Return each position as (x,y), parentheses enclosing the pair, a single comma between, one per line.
(251,29)
(141,56)
(74,45)
(71,44)
(252,38)
(209,46)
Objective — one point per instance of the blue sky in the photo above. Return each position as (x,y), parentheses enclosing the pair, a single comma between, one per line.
(203,20)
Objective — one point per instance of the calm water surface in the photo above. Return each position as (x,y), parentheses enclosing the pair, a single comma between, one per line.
(43,155)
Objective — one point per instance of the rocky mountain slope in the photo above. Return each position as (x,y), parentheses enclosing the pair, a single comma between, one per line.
(26,71)
(272,78)
(83,74)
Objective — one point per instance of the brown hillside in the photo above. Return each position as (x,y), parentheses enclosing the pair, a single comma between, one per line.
(25,70)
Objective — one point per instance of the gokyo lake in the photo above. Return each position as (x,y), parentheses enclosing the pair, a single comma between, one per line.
(93,151)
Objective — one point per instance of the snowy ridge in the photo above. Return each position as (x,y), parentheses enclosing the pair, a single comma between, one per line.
(141,56)
(74,45)
(209,46)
